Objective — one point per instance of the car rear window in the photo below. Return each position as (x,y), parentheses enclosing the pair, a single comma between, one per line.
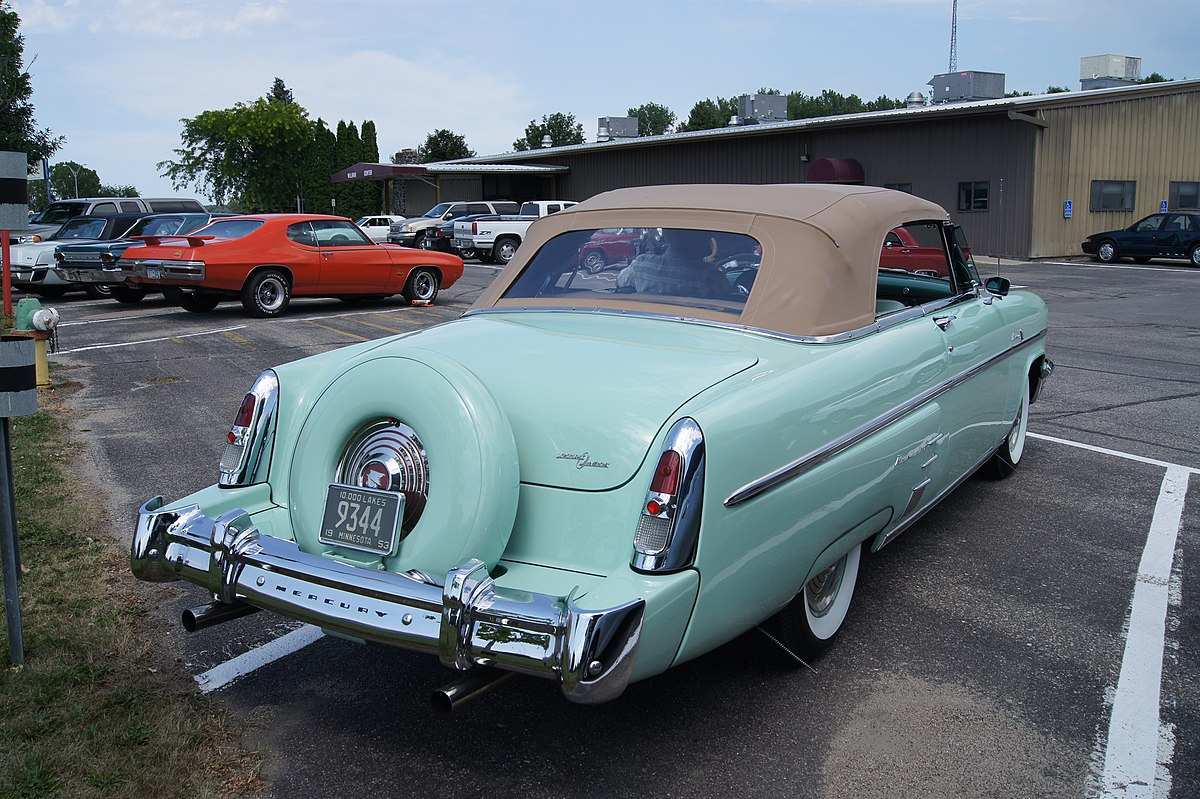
(708,269)
(81,229)
(156,226)
(230,228)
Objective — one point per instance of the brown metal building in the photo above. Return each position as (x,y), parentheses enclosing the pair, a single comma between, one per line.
(1025,176)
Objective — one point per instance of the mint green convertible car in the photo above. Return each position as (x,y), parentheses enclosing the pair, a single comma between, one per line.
(593,476)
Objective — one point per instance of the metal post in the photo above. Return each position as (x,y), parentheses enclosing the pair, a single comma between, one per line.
(8,550)
(6,261)
(18,397)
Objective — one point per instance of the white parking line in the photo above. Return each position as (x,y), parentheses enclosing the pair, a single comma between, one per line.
(221,675)
(1132,753)
(1180,270)
(149,340)
(1138,742)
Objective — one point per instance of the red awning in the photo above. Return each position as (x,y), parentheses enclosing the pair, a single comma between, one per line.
(836,170)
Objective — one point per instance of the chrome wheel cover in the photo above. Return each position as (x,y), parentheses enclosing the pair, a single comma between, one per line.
(424,285)
(1107,251)
(387,455)
(271,293)
(821,591)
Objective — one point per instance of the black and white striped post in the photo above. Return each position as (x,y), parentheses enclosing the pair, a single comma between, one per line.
(18,397)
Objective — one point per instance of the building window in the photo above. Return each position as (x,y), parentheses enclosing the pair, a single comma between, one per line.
(1113,195)
(1185,195)
(973,196)
(904,187)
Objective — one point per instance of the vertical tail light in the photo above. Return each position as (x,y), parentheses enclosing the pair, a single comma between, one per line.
(669,523)
(248,444)
(474,228)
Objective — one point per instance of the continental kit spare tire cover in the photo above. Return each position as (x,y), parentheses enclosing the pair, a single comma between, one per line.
(420,424)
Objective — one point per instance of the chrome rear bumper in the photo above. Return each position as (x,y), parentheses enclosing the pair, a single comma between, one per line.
(467,621)
(71,274)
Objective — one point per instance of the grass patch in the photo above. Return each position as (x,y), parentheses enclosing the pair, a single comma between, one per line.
(91,714)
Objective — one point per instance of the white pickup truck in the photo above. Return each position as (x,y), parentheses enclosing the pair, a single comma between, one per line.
(496,238)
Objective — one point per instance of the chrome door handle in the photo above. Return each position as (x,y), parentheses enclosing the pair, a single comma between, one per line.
(944,321)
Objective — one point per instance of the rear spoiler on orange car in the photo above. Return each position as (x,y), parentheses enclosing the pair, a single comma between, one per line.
(192,241)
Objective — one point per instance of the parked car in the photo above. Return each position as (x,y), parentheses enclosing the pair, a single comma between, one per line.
(411,232)
(731,447)
(96,263)
(265,260)
(611,246)
(1171,235)
(496,238)
(441,237)
(376,227)
(33,261)
(58,212)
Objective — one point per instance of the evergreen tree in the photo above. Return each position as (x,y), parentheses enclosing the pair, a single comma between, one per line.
(281,92)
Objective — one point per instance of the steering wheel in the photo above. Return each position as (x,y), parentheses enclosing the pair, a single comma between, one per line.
(339,238)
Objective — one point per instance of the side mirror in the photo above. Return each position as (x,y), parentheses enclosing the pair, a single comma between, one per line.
(997,285)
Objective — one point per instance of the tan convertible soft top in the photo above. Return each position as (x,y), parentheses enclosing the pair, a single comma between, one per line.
(820,246)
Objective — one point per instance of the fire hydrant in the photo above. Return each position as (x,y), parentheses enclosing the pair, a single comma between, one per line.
(38,323)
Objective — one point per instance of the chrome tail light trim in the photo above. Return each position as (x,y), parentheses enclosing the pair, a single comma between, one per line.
(248,455)
(660,551)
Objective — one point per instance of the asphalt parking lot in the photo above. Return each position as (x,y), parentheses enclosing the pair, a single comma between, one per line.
(1027,638)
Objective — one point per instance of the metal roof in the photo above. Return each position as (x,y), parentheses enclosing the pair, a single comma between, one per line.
(1025,106)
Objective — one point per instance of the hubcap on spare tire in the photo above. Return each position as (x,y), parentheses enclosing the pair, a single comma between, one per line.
(387,455)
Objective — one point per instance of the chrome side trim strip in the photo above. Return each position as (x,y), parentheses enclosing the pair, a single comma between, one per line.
(839,445)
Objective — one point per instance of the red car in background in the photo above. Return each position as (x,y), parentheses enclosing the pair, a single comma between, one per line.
(610,246)
(916,249)
(264,260)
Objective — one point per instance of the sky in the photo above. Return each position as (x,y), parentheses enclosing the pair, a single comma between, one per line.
(115,77)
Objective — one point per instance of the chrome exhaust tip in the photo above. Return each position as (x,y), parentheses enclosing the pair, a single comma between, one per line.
(472,685)
(202,616)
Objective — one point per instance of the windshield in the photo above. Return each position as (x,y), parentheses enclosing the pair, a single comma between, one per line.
(437,210)
(230,228)
(57,213)
(81,229)
(708,269)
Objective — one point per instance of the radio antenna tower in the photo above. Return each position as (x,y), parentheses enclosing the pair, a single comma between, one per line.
(954,38)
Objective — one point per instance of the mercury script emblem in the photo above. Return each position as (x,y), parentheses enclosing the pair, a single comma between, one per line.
(582,460)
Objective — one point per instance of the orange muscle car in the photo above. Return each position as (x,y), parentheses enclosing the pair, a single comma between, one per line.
(266,259)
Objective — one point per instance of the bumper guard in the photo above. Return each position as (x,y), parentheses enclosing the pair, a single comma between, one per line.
(467,621)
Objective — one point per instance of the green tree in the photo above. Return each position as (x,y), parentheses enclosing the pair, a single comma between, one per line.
(318,186)
(443,145)
(18,131)
(1155,77)
(69,179)
(653,119)
(119,191)
(561,128)
(252,155)
(709,114)
(372,191)
(281,92)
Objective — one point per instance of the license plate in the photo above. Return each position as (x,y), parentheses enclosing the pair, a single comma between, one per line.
(154,272)
(361,518)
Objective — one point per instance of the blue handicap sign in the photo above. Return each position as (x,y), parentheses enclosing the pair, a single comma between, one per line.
(1068,208)
(1162,207)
